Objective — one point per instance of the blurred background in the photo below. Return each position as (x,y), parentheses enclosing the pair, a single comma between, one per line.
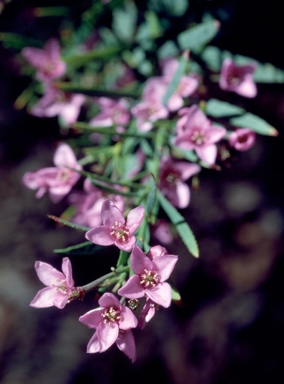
(230,327)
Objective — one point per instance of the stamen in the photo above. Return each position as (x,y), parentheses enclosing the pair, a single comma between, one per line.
(149,279)
(120,232)
(111,315)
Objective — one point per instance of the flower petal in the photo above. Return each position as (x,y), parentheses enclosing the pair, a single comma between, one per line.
(109,300)
(139,261)
(92,318)
(128,319)
(47,274)
(161,295)
(111,214)
(107,334)
(134,218)
(93,345)
(49,297)
(100,235)
(132,288)
(165,265)
(67,270)
(126,343)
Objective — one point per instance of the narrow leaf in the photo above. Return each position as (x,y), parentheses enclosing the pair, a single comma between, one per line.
(83,249)
(218,108)
(195,38)
(181,226)
(97,54)
(68,223)
(176,78)
(255,123)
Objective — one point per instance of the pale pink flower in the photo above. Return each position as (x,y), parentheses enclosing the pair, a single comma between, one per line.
(162,231)
(149,277)
(113,323)
(58,180)
(151,108)
(172,177)
(59,285)
(196,132)
(238,78)
(54,102)
(242,139)
(46,61)
(116,229)
(112,113)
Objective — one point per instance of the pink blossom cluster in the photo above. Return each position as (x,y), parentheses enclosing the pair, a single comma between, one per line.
(113,321)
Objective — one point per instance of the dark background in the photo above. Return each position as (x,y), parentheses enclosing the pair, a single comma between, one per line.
(230,327)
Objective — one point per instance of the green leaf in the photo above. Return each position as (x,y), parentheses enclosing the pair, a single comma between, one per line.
(17,41)
(77,88)
(97,54)
(212,56)
(255,123)
(83,249)
(180,225)
(124,22)
(267,73)
(176,297)
(176,78)
(218,108)
(195,38)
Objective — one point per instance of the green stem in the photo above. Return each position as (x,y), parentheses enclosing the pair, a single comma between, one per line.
(89,287)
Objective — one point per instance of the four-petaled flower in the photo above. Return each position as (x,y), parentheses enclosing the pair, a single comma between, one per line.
(59,285)
(194,131)
(150,277)
(238,78)
(172,177)
(58,180)
(113,322)
(46,61)
(116,229)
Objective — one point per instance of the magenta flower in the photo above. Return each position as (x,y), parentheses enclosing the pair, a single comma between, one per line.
(58,180)
(59,285)
(196,132)
(113,323)
(238,78)
(147,313)
(58,103)
(46,61)
(172,177)
(116,229)
(149,278)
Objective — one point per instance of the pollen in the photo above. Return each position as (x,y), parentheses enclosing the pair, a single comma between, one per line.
(149,279)
(111,315)
(120,232)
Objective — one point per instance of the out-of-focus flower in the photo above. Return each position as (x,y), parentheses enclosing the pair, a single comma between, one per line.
(238,78)
(88,204)
(116,229)
(113,322)
(172,177)
(150,277)
(55,102)
(46,61)
(194,131)
(59,285)
(162,231)
(58,180)
(112,113)
(242,139)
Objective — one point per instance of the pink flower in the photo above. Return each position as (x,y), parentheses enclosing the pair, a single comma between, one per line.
(238,78)
(147,313)
(149,278)
(116,229)
(46,61)
(172,177)
(113,323)
(112,113)
(196,132)
(151,108)
(58,180)
(58,103)
(59,286)
(242,139)
(187,86)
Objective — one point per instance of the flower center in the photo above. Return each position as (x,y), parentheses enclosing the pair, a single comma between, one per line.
(111,315)
(149,279)
(62,287)
(120,232)
(172,178)
(234,77)
(197,137)
(64,175)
